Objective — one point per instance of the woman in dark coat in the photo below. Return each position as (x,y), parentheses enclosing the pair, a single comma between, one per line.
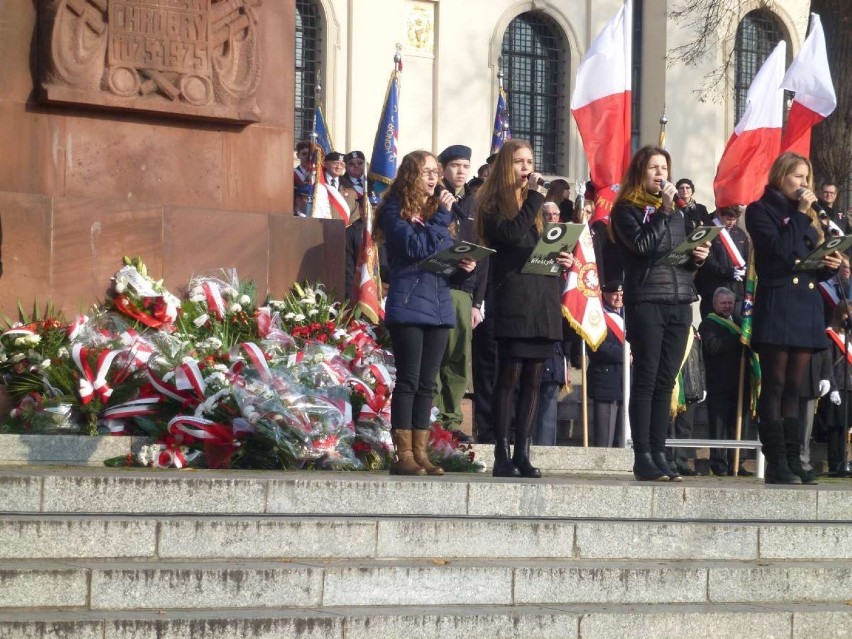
(527,308)
(413,224)
(789,323)
(657,302)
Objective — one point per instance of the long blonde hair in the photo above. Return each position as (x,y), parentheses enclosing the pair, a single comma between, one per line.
(406,188)
(785,164)
(498,197)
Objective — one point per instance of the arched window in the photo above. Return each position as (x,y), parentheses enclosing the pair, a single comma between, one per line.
(308,39)
(535,63)
(757,35)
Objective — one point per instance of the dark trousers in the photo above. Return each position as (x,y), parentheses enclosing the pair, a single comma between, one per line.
(722,424)
(545,428)
(607,424)
(682,427)
(417,351)
(657,335)
(485,365)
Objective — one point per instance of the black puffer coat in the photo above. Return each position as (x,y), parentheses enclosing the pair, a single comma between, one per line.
(642,243)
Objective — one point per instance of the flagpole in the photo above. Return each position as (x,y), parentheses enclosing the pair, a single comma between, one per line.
(664,120)
(625,414)
(585,406)
(312,176)
(740,399)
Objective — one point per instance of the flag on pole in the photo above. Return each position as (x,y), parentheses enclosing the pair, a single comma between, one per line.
(810,78)
(756,140)
(501,119)
(581,298)
(601,107)
(367,296)
(323,136)
(383,161)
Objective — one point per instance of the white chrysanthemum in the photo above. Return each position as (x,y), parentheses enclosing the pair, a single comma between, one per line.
(201,320)
(313,312)
(17,357)
(299,318)
(62,352)
(289,316)
(235,308)
(245,300)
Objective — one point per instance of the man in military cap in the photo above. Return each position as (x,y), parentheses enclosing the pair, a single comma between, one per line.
(354,178)
(452,380)
(300,199)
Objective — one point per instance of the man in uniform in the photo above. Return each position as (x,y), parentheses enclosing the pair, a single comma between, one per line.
(344,202)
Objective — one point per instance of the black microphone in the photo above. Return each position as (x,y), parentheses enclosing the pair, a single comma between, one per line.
(678,200)
(816,206)
(543,182)
(456,209)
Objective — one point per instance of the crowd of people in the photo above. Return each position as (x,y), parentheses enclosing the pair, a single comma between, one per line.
(505,327)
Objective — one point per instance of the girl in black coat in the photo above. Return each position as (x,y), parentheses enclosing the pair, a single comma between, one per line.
(789,323)
(527,308)
(657,302)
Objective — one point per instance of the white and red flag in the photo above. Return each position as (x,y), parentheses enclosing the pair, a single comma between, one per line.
(810,78)
(601,107)
(367,296)
(581,299)
(756,140)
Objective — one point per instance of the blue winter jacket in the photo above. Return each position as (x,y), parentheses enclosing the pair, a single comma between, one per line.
(416,296)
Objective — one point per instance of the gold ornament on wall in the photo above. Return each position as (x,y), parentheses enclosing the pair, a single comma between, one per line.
(420,23)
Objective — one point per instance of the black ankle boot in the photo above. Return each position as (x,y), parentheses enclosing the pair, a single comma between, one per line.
(667,469)
(793,447)
(777,470)
(644,468)
(521,459)
(503,466)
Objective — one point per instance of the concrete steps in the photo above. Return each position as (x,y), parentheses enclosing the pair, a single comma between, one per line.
(138,554)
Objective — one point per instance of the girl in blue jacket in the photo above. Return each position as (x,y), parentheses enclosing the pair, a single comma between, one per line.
(413,222)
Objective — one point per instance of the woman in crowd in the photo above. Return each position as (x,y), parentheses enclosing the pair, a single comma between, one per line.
(413,224)
(789,323)
(657,301)
(528,316)
(559,192)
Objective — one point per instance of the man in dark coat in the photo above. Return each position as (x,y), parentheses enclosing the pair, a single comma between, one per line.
(605,377)
(727,262)
(720,343)
(827,196)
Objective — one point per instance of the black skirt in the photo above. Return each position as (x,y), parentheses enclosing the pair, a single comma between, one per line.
(531,348)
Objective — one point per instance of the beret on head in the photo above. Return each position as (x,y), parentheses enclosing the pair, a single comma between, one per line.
(354,155)
(615,286)
(455,152)
(334,156)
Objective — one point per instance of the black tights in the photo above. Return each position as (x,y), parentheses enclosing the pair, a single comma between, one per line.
(783,369)
(525,375)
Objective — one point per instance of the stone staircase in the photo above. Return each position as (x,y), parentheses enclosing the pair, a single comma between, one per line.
(133,554)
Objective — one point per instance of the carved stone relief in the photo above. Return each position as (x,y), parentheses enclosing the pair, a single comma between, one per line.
(186,57)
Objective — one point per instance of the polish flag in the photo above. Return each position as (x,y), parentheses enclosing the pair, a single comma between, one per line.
(810,78)
(756,141)
(601,107)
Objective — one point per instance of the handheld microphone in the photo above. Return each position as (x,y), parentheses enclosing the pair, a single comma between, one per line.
(816,206)
(543,182)
(678,200)
(456,209)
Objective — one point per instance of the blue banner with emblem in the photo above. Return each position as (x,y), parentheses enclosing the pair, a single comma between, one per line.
(501,120)
(323,136)
(383,161)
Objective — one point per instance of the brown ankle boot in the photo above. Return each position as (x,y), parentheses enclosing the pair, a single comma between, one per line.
(404,463)
(421,443)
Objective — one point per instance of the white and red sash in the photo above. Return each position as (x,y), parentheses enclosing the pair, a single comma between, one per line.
(838,340)
(615,325)
(338,203)
(730,248)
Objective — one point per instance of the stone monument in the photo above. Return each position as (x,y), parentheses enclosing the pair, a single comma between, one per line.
(158,128)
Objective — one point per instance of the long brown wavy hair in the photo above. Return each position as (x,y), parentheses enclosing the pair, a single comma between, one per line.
(407,189)
(499,197)
(785,164)
(634,178)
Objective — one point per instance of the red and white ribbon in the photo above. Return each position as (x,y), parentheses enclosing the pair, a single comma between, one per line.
(258,360)
(214,299)
(839,342)
(730,247)
(86,388)
(76,327)
(615,324)
(188,377)
(829,293)
(166,389)
(200,428)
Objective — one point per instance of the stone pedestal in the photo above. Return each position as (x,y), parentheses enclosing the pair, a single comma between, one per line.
(188,181)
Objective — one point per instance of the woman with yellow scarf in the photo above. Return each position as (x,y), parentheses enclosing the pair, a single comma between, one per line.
(657,300)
